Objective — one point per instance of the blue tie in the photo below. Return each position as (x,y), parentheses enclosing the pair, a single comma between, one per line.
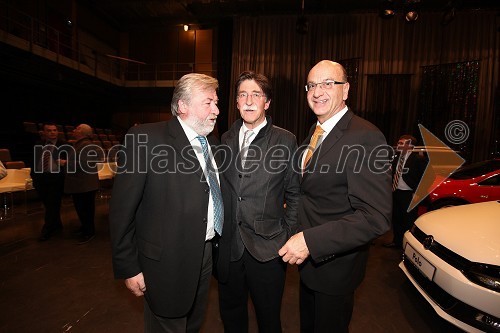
(214,187)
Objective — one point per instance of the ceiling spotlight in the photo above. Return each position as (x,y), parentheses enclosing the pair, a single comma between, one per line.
(387,9)
(411,10)
(411,16)
(186,27)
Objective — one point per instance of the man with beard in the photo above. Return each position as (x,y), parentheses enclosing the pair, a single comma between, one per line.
(166,209)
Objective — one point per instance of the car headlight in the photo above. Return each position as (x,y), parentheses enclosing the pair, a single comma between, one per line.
(485,275)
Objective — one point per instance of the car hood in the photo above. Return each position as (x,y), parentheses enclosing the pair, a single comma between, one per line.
(472,231)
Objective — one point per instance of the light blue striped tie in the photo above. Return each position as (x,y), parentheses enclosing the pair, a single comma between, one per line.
(214,187)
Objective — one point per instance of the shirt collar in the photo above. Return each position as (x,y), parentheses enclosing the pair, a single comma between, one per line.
(328,125)
(256,129)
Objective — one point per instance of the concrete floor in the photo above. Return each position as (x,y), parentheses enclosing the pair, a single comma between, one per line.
(59,286)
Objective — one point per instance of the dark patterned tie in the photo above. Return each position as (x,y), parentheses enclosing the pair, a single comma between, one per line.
(47,156)
(214,187)
(399,171)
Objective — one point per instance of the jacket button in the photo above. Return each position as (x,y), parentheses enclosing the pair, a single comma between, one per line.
(239,222)
(205,219)
(240,176)
(240,198)
(207,190)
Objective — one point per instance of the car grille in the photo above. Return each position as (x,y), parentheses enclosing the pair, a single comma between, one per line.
(442,252)
(447,302)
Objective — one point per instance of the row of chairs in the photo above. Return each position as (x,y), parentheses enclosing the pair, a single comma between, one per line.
(7,161)
(66,132)
(32,127)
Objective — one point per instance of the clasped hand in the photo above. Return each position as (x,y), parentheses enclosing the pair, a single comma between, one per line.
(295,250)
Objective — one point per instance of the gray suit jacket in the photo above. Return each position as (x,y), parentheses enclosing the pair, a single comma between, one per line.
(254,198)
(81,174)
(346,202)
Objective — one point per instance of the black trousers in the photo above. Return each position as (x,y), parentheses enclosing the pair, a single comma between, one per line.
(85,209)
(50,189)
(322,313)
(265,282)
(401,219)
(192,322)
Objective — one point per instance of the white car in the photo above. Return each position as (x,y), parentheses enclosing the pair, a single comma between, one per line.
(452,257)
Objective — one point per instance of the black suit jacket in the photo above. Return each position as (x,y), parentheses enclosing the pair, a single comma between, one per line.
(346,202)
(255,218)
(414,168)
(158,215)
(61,151)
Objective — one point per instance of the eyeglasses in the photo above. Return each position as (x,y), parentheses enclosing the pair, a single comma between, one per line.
(327,84)
(255,95)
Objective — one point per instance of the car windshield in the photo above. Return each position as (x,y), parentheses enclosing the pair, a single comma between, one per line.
(476,169)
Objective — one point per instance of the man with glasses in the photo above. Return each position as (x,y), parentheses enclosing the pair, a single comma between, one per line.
(345,202)
(260,179)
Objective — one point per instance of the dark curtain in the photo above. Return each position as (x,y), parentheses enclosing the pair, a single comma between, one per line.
(352,68)
(387,104)
(272,46)
(449,93)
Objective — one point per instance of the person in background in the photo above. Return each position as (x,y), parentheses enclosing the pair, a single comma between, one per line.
(48,173)
(345,202)
(166,209)
(82,180)
(3,170)
(256,225)
(407,170)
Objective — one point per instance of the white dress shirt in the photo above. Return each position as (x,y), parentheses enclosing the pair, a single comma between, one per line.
(195,143)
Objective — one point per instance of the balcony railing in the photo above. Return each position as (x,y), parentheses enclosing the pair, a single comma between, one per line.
(25,32)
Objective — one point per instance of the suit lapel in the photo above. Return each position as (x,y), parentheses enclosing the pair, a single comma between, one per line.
(328,143)
(183,148)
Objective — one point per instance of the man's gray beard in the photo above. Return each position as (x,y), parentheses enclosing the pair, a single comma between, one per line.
(202,128)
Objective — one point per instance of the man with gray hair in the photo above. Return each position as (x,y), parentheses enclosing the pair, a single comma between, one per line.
(82,180)
(166,209)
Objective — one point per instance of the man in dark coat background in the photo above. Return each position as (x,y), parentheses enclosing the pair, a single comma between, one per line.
(50,156)
(411,166)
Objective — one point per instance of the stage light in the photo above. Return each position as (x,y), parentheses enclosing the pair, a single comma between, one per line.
(411,16)
(411,10)
(387,9)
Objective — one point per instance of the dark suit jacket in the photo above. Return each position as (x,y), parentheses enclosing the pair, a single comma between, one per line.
(414,168)
(158,215)
(61,151)
(346,202)
(255,218)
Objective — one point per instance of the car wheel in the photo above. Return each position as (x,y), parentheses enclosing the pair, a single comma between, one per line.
(447,203)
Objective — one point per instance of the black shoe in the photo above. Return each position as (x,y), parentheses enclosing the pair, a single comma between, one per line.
(390,245)
(84,239)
